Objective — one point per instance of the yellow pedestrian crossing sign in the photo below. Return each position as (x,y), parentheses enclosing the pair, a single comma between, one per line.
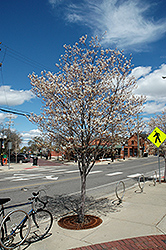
(157,137)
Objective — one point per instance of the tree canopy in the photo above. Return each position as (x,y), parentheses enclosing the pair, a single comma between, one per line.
(90,97)
(89,100)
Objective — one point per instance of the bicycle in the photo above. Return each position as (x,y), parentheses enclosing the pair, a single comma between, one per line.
(11,224)
(18,227)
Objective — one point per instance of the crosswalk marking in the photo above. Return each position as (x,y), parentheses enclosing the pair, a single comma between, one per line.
(115,173)
(95,172)
(133,175)
(27,177)
(50,177)
(58,170)
(52,174)
(72,171)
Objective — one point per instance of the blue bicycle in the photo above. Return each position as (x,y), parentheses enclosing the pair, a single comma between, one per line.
(19,226)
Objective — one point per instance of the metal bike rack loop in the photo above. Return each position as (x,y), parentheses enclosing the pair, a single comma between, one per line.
(139,182)
(123,190)
(154,178)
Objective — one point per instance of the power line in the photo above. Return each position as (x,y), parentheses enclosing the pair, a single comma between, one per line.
(8,51)
(9,110)
(2,75)
(18,56)
(15,112)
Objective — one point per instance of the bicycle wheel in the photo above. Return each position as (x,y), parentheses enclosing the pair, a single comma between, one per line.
(10,226)
(40,225)
(1,233)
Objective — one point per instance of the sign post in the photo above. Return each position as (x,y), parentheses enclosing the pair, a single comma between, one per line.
(9,147)
(157,137)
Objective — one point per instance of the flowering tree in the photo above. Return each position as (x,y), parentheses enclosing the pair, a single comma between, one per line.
(88,101)
(160,122)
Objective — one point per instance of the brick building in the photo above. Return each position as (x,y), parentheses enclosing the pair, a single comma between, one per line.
(130,149)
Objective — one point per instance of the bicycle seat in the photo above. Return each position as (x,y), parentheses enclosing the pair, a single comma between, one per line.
(4,200)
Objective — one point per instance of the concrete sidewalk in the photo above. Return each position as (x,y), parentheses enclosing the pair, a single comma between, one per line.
(140,214)
(139,222)
(17,167)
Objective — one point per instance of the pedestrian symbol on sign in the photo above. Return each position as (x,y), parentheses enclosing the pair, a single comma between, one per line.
(157,135)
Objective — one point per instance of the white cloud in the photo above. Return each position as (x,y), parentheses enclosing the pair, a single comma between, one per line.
(28,135)
(14,97)
(54,2)
(151,84)
(141,71)
(154,107)
(126,22)
(3,116)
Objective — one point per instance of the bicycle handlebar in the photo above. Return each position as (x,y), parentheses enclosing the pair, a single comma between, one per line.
(36,198)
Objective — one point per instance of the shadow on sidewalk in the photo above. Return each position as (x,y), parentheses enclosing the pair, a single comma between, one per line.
(66,205)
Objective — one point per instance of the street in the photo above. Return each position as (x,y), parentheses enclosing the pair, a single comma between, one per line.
(63,179)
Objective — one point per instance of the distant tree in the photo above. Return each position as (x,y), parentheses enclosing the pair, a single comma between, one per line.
(90,99)
(160,122)
(24,149)
(41,143)
(14,137)
(36,143)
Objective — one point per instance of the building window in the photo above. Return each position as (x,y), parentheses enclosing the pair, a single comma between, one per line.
(126,151)
(132,142)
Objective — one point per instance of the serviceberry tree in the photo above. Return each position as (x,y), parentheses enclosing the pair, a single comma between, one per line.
(88,101)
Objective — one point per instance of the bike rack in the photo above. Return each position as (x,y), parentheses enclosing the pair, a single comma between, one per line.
(139,182)
(123,190)
(154,178)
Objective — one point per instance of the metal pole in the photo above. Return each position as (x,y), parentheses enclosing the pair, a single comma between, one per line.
(1,151)
(159,167)
(9,147)
(9,160)
(138,135)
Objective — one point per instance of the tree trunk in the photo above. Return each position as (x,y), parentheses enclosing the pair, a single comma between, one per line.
(83,193)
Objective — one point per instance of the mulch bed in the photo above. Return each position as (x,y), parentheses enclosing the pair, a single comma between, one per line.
(71,222)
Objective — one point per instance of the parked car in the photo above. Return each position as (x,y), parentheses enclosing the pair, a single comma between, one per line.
(145,154)
(21,158)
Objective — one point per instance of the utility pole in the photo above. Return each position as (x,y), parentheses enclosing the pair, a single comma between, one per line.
(138,135)
(10,122)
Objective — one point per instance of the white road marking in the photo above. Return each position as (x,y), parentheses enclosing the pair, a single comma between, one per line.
(27,178)
(115,173)
(19,174)
(42,169)
(95,172)
(50,177)
(72,171)
(134,175)
(58,170)
(21,179)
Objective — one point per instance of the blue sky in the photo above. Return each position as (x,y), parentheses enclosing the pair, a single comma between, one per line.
(33,33)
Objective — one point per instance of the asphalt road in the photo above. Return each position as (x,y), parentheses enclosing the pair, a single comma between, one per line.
(63,179)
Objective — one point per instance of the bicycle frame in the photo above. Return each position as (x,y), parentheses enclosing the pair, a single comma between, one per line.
(18,226)
(2,213)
